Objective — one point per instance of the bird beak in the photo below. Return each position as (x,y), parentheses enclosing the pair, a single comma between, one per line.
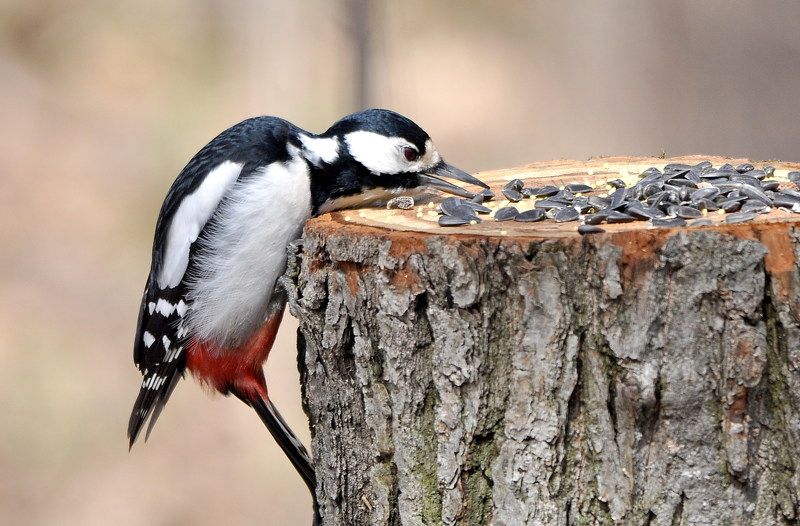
(436,175)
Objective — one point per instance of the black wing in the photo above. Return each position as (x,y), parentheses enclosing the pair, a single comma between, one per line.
(158,352)
(159,349)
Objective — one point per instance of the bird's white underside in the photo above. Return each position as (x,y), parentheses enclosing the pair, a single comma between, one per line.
(243,253)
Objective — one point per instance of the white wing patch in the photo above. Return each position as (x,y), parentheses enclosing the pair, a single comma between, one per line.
(164,307)
(193,213)
(148,339)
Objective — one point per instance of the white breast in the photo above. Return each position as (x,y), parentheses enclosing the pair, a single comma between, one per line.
(243,252)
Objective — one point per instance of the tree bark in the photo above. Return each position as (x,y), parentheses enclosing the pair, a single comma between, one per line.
(522,374)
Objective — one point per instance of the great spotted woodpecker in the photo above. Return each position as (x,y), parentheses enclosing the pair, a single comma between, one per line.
(211,303)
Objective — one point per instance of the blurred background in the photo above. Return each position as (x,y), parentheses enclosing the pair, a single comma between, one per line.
(103,102)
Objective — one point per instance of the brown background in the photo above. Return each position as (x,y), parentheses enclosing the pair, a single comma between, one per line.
(103,102)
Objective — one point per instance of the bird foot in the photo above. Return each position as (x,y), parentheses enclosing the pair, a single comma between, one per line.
(293,262)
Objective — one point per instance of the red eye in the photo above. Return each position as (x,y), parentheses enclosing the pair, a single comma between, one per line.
(411,154)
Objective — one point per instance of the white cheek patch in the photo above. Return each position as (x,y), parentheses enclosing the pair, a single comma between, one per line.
(192,214)
(384,155)
(319,150)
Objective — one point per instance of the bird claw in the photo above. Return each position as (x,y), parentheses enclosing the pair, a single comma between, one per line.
(293,262)
(293,251)
(288,286)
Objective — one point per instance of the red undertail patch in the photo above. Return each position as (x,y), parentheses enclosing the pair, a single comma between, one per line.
(235,370)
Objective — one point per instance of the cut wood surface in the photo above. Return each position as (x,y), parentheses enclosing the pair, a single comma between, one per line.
(518,373)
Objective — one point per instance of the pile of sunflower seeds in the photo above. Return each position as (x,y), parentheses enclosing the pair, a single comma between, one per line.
(678,195)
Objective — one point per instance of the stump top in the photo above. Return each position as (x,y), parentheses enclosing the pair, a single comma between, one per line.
(595,172)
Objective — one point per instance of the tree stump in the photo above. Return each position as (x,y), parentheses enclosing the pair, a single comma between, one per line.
(509,373)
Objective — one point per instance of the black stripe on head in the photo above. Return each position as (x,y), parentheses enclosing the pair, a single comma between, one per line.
(384,122)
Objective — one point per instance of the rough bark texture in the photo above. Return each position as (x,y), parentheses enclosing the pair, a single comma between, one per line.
(636,377)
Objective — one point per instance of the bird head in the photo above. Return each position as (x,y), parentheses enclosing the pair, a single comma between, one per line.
(382,154)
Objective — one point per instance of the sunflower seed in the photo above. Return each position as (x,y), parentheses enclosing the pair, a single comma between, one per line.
(582,204)
(506,214)
(512,195)
(546,191)
(674,167)
(755,206)
(740,217)
(449,204)
(637,210)
(652,189)
(619,217)
(514,184)
(770,185)
(564,196)
(617,198)
(599,202)
(794,177)
(530,216)
(744,167)
(668,222)
(706,204)
(694,176)
(590,229)
(705,193)
(546,204)
(701,222)
(566,214)
(785,201)
(401,202)
(687,212)
(578,188)
(465,212)
(683,183)
(479,208)
(755,193)
(487,194)
(731,205)
(616,183)
(746,179)
(769,171)
(714,174)
(452,221)
(595,219)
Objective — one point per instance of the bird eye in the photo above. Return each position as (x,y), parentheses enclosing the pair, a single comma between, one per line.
(411,154)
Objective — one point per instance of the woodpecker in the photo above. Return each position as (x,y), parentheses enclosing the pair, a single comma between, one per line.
(212,304)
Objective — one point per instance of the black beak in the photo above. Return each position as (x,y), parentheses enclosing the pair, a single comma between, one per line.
(435,178)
